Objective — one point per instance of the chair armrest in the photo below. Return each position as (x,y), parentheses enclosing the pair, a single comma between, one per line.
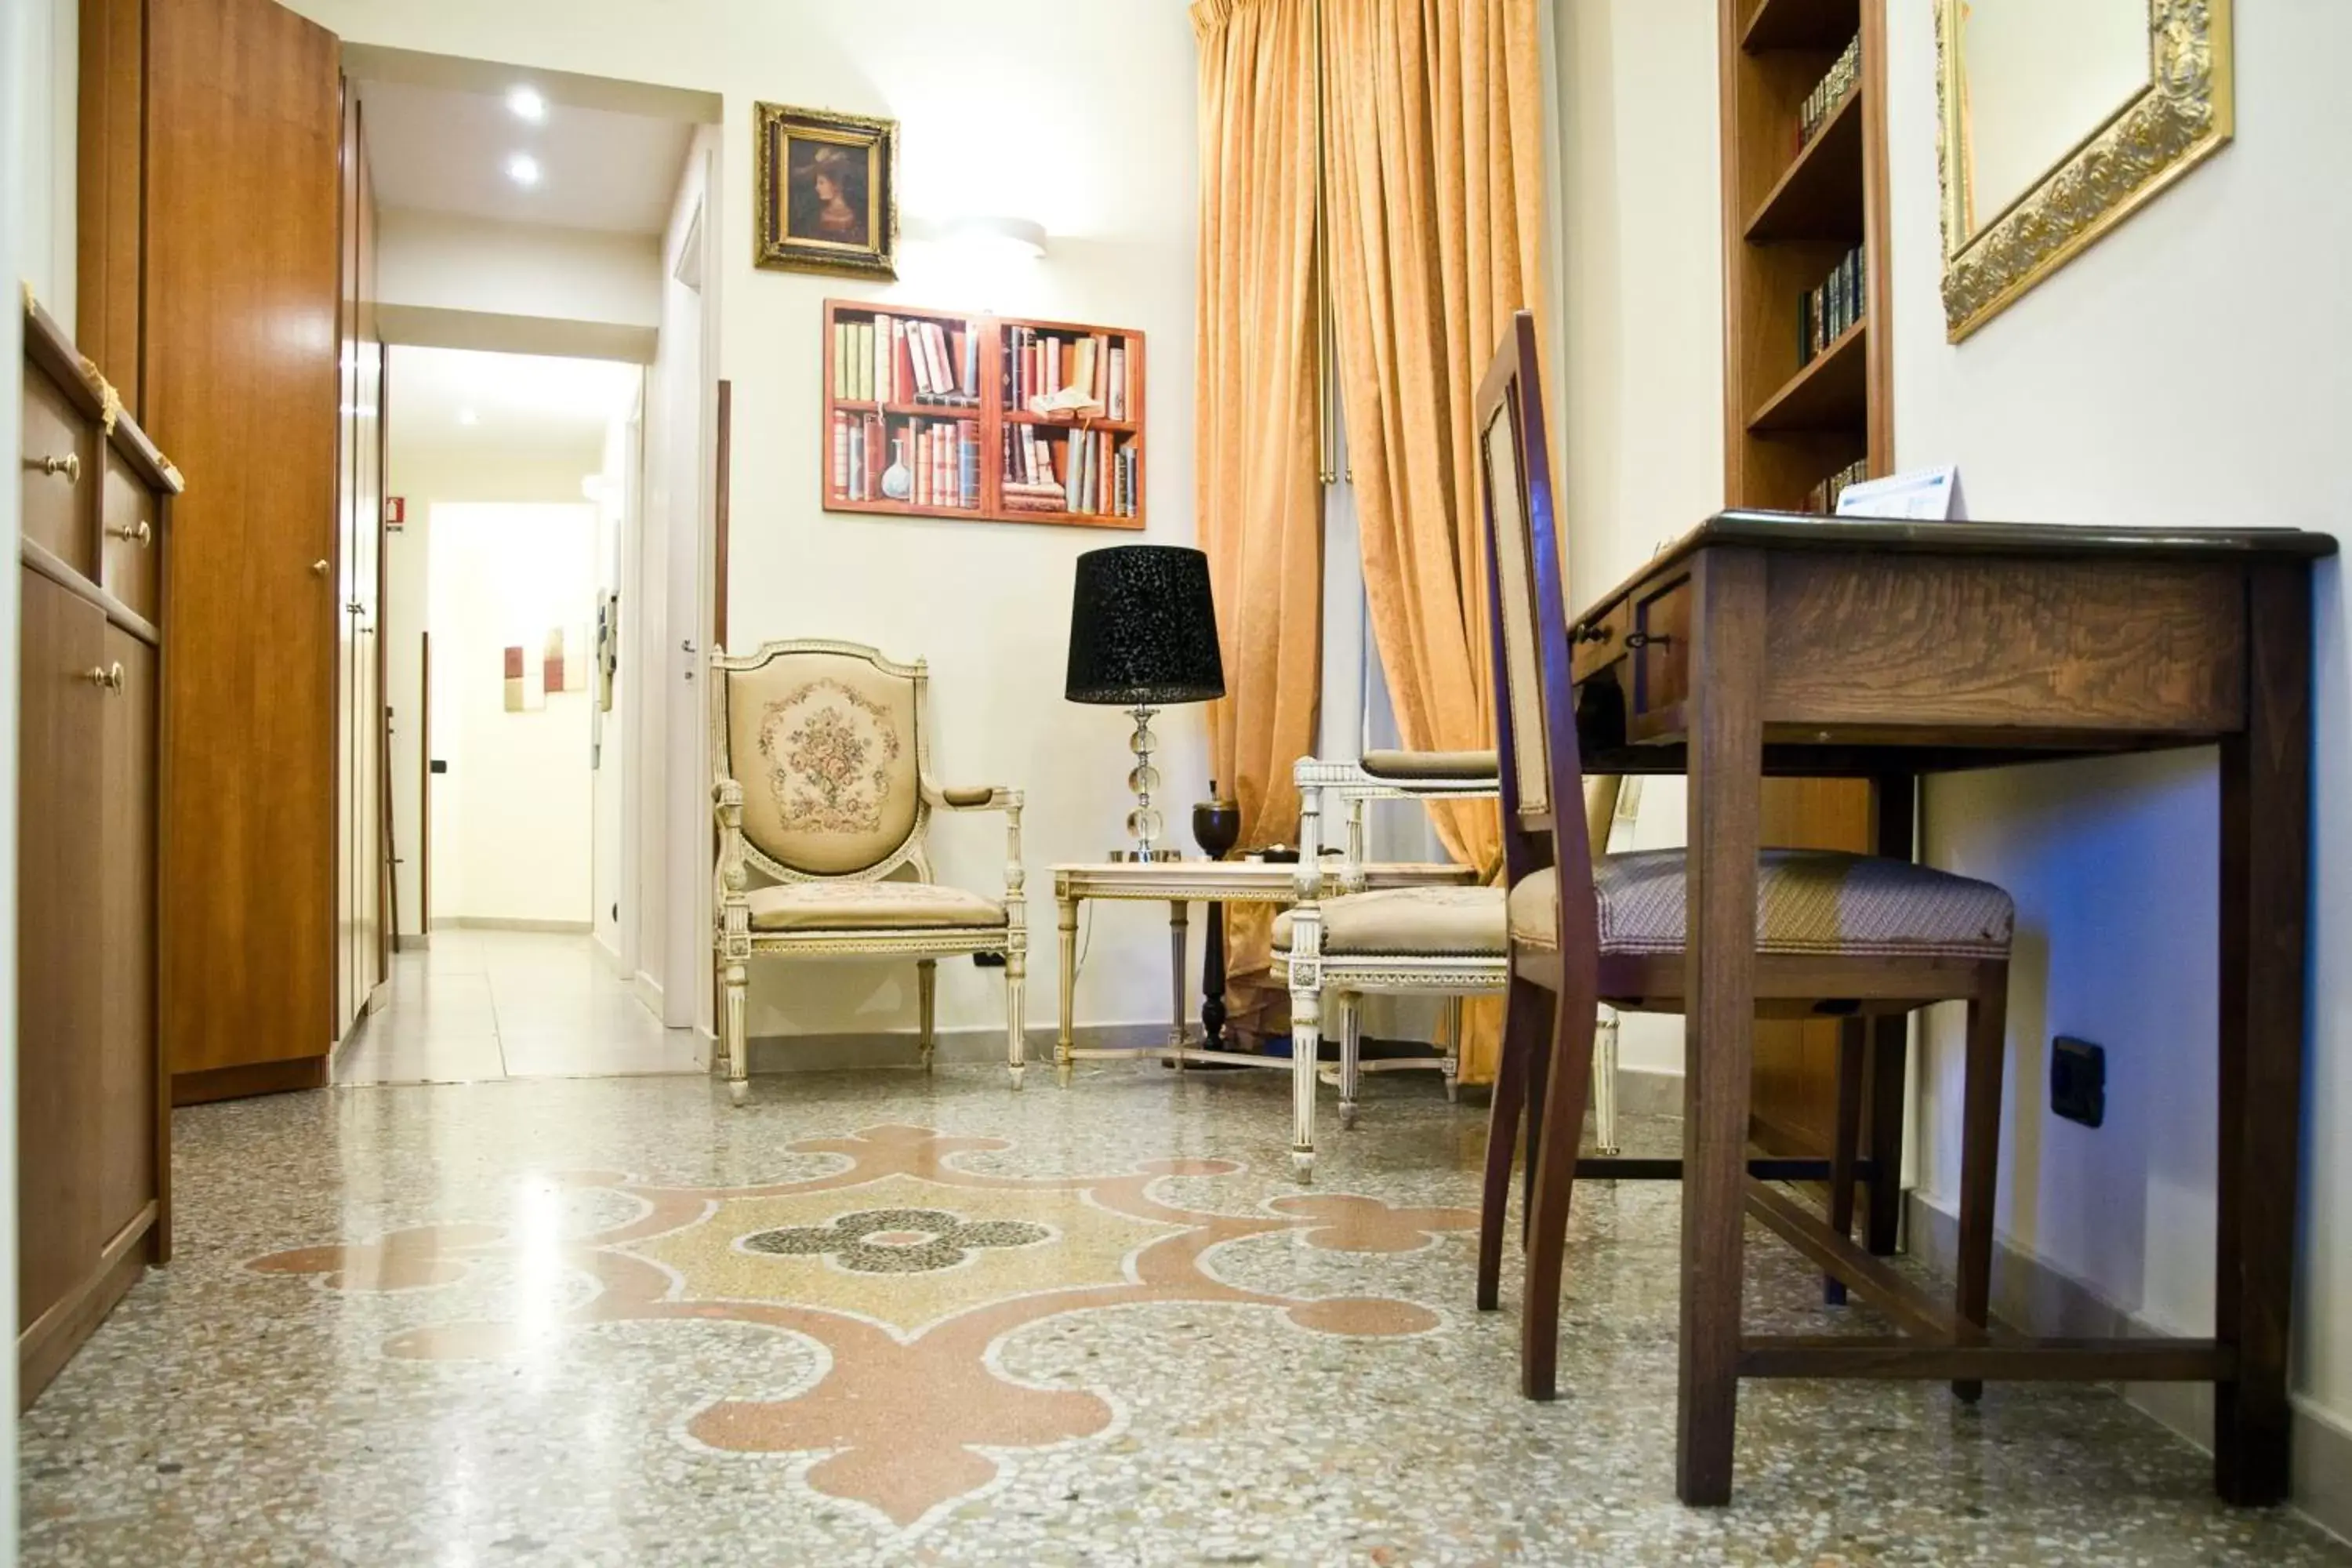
(1454,766)
(991,797)
(971,797)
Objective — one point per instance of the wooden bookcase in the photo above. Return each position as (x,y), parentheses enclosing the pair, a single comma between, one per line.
(1790,214)
(959,427)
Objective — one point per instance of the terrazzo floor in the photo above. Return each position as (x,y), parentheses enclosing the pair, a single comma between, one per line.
(883,1318)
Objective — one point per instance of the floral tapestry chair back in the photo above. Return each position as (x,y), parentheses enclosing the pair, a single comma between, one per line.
(827,742)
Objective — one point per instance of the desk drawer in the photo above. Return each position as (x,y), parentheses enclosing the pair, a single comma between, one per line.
(129,537)
(1660,640)
(58,470)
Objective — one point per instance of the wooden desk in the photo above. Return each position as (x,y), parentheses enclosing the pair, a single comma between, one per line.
(1761,644)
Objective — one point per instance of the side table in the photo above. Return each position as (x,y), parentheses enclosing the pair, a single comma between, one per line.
(1179,884)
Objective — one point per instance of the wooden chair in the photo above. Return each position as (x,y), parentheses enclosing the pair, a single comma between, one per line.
(1448,942)
(1836,936)
(830,739)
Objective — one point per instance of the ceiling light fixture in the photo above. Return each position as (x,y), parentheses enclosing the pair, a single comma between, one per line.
(527,104)
(468,416)
(523,169)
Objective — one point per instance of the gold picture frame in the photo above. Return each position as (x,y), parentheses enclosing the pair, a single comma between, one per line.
(827,190)
(2180,118)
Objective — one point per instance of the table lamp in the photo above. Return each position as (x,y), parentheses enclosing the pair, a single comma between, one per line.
(1143,634)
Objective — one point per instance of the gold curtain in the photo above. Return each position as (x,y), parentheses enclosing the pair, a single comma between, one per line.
(1433,190)
(1260,505)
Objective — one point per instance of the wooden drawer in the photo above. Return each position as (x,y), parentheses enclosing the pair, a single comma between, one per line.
(58,470)
(129,534)
(1660,638)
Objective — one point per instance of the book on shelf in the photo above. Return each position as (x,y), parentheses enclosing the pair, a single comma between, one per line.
(1828,309)
(1829,92)
(1822,499)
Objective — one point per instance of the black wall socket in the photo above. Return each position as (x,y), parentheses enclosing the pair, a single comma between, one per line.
(2078,1080)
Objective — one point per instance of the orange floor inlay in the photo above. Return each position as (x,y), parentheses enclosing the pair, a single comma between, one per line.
(906,1270)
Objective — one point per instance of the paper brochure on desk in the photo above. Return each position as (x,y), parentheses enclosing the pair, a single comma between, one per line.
(1923,495)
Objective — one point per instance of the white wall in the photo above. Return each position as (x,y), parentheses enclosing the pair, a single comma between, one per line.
(426,475)
(1105,93)
(46,108)
(2186,369)
(511,818)
(1641,325)
(443,260)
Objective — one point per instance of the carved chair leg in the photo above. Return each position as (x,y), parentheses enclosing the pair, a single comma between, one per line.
(1350,1009)
(927,1004)
(1016,1019)
(731,1030)
(1452,1049)
(1305,1046)
(1604,1087)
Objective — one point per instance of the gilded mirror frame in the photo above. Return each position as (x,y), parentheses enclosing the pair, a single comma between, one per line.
(2182,117)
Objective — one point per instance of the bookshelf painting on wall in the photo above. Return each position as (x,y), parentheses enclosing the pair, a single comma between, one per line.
(949,414)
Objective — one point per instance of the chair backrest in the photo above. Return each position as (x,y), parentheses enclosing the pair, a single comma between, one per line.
(1535,700)
(827,741)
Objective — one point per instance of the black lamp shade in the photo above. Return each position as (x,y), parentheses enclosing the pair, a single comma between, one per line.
(1143,630)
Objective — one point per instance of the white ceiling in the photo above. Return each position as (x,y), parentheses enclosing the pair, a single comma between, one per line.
(442,149)
(518,401)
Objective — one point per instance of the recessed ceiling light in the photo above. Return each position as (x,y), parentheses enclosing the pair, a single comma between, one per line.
(527,104)
(523,169)
(468,416)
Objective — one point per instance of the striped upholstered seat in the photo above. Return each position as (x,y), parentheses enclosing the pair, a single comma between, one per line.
(1813,902)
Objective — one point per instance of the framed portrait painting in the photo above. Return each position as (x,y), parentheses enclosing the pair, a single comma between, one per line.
(828,191)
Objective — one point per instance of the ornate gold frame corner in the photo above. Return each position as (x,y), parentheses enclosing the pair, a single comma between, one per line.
(771,246)
(2183,116)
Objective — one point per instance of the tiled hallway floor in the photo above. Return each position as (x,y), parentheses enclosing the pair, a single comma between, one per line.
(883,1318)
(483,1004)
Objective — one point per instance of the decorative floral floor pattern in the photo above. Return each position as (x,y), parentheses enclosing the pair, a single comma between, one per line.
(909,1271)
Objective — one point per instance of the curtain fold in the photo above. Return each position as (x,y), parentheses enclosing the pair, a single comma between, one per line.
(1259,502)
(1433,190)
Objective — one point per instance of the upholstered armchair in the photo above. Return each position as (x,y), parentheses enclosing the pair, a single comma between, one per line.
(822,787)
(1444,942)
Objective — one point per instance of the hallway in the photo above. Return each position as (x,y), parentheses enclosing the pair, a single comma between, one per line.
(483,1004)
(879,1317)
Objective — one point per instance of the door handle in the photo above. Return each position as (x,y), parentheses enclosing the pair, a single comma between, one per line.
(319,568)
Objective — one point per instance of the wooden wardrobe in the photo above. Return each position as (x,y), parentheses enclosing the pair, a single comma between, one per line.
(221,255)
(93,1104)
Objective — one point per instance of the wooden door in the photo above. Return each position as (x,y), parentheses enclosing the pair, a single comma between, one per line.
(239,382)
(126,893)
(59,969)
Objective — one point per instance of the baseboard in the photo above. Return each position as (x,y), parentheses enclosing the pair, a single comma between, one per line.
(611,955)
(495,923)
(406,941)
(2035,1297)
(827,1053)
(1647,1091)
(209,1084)
(648,990)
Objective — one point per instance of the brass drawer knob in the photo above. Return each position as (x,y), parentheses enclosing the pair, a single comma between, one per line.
(139,534)
(110,677)
(69,466)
